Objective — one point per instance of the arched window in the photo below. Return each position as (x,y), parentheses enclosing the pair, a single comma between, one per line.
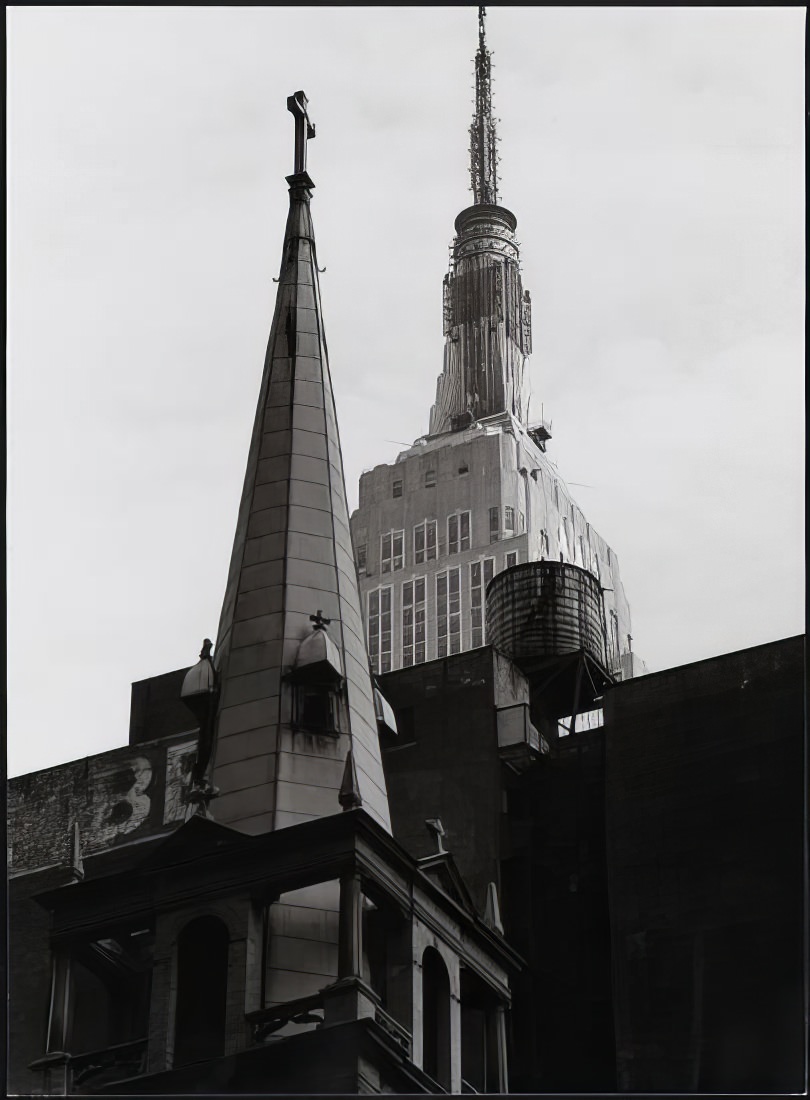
(435,1017)
(202,983)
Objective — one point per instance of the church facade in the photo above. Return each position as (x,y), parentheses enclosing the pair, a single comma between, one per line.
(283,941)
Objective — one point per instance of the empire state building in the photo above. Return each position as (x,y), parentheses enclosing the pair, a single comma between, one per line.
(476,494)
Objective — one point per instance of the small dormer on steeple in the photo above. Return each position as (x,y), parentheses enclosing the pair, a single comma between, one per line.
(318,682)
(318,658)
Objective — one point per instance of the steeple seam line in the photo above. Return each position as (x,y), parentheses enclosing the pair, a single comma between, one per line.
(325,372)
(237,566)
(293,306)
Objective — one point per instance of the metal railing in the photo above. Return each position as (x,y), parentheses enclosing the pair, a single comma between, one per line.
(265,1021)
(398,1033)
(94,1068)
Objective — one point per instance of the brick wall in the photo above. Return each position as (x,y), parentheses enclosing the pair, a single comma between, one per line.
(116,797)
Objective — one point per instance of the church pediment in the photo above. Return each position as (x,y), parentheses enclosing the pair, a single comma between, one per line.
(442,871)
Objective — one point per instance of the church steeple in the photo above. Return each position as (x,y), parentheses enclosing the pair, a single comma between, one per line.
(483,139)
(487,314)
(295,690)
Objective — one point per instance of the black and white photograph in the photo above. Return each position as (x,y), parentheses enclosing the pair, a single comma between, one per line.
(405,550)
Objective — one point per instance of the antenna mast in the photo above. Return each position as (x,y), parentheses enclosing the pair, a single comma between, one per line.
(483,153)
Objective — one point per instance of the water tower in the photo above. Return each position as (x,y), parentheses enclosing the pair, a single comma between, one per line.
(549,618)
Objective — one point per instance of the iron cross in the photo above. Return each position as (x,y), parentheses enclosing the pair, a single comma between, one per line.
(304,129)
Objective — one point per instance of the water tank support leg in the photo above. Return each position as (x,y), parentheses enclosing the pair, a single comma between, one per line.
(577,686)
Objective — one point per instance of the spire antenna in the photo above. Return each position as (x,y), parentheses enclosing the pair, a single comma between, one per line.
(483,139)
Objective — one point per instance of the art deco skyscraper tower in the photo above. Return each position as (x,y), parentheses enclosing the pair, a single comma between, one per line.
(487,314)
(477,494)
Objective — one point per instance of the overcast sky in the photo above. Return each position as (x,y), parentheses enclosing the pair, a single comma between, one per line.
(654,160)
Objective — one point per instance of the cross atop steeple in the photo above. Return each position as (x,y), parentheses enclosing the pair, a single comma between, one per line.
(304,130)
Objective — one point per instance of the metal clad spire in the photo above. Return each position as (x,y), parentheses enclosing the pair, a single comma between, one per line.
(292,701)
(483,140)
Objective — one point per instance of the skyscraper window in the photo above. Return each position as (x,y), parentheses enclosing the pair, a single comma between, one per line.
(392,551)
(379,629)
(424,541)
(494,524)
(448,612)
(413,622)
(458,532)
(481,573)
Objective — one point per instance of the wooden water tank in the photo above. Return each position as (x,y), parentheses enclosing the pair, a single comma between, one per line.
(546,609)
